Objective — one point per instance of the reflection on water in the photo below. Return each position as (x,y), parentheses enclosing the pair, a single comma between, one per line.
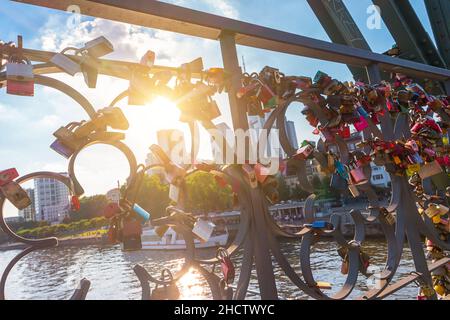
(55,273)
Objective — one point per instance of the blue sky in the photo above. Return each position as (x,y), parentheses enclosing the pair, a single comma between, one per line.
(28,123)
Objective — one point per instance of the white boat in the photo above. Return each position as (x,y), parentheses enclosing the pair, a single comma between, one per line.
(171,240)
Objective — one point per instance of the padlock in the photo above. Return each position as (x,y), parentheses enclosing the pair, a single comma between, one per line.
(203,229)
(66,142)
(440,288)
(226,265)
(358,176)
(65,64)
(143,215)
(113,236)
(322,225)
(111,210)
(261,172)
(322,79)
(362,112)
(344,132)
(20,79)
(388,216)
(361,124)
(16,195)
(247,90)
(169,290)
(343,253)
(113,117)
(75,203)
(323,285)
(396,160)
(430,169)
(412,169)
(207,111)
(337,182)
(250,175)
(98,47)
(148,59)
(364,260)
(131,235)
(195,66)
(353,190)
(341,170)
(266,96)
(7,176)
(411,144)
(304,152)
(436,209)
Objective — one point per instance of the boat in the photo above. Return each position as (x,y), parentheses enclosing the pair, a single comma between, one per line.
(171,240)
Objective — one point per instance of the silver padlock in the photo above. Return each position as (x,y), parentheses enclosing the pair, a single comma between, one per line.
(98,47)
(203,229)
(19,71)
(66,64)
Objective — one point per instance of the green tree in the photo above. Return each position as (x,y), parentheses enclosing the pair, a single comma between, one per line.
(283,189)
(90,207)
(299,194)
(153,196)
(205,195)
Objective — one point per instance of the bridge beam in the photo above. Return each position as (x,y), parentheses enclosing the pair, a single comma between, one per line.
(341,28)
(439,14)
(164,16)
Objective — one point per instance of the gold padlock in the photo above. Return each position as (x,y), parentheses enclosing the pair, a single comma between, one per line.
(16,195)
(250,175)
(435,209)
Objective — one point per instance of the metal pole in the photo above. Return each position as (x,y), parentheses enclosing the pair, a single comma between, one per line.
(258,229)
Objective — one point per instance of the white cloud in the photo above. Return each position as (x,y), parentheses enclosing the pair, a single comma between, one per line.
(130,43)
(219,7)
(223,7)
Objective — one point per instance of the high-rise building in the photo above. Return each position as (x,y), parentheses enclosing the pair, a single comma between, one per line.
(51,199)
(257,123)
(29,213)
(292,134)
(173,143)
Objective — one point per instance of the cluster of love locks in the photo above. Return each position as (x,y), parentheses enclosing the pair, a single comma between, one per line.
(333,108)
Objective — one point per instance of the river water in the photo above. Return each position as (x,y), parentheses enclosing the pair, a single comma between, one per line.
(55,273)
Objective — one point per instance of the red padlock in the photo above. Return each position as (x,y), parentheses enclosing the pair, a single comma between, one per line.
(226,265)
(8,175)
(20,88)
(111,210)
(261,172)
(75,203)
(242,92)
(344,132)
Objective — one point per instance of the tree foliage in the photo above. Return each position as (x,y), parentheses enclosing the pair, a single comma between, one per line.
(284,192)
(205,195)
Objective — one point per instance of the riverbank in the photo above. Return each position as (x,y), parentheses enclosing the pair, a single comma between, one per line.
(65,242)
